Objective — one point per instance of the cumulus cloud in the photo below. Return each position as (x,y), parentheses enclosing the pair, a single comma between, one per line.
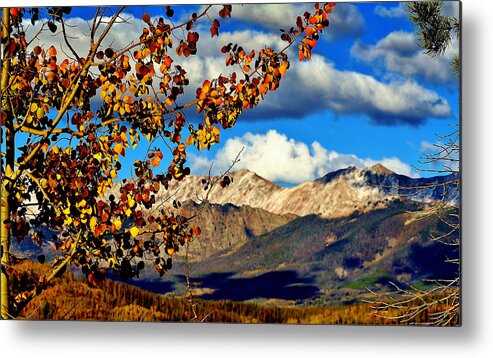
(450,8)
(398,52)
(317,85)
(345,21)
(276,157)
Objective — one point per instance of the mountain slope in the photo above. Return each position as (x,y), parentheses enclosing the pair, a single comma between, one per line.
(359,251)
(227,227)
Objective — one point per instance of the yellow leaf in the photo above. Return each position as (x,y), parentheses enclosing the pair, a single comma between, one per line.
(124,138)
(40,113)
(134,231)
(93,222)
(118,224)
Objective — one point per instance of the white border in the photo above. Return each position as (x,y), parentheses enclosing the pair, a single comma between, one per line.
(81,339)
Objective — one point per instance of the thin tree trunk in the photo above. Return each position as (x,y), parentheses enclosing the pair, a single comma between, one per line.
(5,308)
(9,169)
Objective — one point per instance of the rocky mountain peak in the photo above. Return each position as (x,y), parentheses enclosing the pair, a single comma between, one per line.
(379,169)
(243,172)
(336,174)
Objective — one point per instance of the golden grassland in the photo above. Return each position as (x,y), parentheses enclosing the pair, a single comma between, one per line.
(72,299)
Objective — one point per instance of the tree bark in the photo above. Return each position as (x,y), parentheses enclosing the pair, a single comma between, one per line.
(7,172)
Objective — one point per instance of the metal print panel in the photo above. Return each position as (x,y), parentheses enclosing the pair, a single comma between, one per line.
(257,163)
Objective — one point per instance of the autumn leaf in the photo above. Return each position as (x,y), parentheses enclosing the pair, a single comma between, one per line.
(93,222)
(134,231)
(119,149)
(155,161)
(117,224)
(146,18)
(190,140)
(170,250)
(52,51)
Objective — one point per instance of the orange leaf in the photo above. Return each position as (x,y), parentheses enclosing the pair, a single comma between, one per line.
(301,55)
(190,140)
(119,148)
(310,31)
(263,88)
(206,86)
(282,70)
(52,51)
(155,161)
(313,20)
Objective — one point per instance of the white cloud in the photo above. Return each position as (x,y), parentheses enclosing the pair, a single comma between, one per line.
(450,8)
(394,11)
(399,52)
(276,157)
(317,85)
(345,20)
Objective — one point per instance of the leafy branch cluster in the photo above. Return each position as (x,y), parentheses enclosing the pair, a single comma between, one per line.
(63,151)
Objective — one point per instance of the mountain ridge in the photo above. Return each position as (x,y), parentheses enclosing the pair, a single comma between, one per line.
(336,194)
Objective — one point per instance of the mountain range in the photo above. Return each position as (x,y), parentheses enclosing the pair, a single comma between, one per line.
(334,237)
(330,239)
(337,194)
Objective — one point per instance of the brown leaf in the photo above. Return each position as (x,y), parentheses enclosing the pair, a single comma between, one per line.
(146,18)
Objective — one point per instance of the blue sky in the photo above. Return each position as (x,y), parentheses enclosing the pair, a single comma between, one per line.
(369,96)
